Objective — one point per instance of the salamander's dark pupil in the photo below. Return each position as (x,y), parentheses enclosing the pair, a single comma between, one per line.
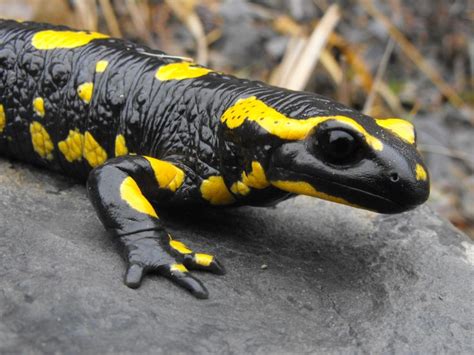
(340,143)
(339,147)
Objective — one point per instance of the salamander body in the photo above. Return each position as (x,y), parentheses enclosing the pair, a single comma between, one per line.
(146,130)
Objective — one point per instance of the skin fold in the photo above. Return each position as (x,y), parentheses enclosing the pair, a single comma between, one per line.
(146,130)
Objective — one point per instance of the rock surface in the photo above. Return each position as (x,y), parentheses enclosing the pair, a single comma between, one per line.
(337,279)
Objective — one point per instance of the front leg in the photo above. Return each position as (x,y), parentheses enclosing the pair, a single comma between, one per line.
(120,191)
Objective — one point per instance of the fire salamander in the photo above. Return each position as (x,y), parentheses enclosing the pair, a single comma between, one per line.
(146,130)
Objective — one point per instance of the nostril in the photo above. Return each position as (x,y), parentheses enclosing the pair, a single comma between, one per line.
(394,177)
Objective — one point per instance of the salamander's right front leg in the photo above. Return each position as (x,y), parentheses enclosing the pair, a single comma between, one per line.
(120,191)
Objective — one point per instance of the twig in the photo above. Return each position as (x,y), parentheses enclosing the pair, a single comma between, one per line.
(138,15)
(87,14)
(280,76)
(378,76)
(310,55)
(184,10)
(441,150)
(110,18)
(414,54)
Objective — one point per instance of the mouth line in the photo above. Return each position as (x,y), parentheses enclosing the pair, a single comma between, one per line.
(351,188)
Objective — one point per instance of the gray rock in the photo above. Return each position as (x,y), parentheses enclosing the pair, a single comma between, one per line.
(336,280)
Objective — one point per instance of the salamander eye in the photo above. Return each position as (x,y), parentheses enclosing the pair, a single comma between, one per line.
(338,147)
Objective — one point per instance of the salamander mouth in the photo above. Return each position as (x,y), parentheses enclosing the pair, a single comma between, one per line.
(357,197)
(390,206)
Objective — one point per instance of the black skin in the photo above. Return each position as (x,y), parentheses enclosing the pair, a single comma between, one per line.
(178,121)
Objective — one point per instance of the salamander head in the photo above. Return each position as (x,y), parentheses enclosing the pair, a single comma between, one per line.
(323,149)
(359,161)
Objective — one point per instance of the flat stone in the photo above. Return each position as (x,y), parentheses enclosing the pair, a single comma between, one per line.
(305,277)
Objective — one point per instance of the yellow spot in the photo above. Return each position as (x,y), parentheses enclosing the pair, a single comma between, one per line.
(180,247)
(203,259)
(256,178)
(215,191)
(50,39)
(85,92)
(42,143)
(72,146)
(303,188)
(131,193)
(399,127)
(239,188)
(38,105)
(168,176)
(178,267)
(120,146)
(3,118)
(421,173)
(101,66)
(93,152)
(274,122)
(180,71)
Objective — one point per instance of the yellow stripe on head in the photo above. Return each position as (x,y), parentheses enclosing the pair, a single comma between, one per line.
(50,39)
(277,124)
(421,173)
(399,127)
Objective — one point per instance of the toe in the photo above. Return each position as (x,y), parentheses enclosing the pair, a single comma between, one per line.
(206,262)
(181,276)
(134,276)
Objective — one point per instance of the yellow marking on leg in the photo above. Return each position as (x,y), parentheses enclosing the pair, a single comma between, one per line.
(180,247)
(421,173)
(399,127)
(239,188)
(3,118)
(85,92)
(120,146)
(51,39)
(203,259)
(274,122)
(131,193)
(168,176)
(42,143)
(93,152)
(178,267)
(101,66)
(303,188)
(38,105)
(215,191)
(72,147)
(180,71)
(256,178)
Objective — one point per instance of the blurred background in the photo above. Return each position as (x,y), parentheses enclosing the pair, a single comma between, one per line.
(394,58)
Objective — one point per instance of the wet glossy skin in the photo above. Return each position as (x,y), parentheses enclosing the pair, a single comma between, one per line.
(146,130)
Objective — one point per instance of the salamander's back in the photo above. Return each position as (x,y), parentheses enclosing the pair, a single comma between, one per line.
(69,100)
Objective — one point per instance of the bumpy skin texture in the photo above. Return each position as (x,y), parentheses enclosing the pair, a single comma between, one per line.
(146,130)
